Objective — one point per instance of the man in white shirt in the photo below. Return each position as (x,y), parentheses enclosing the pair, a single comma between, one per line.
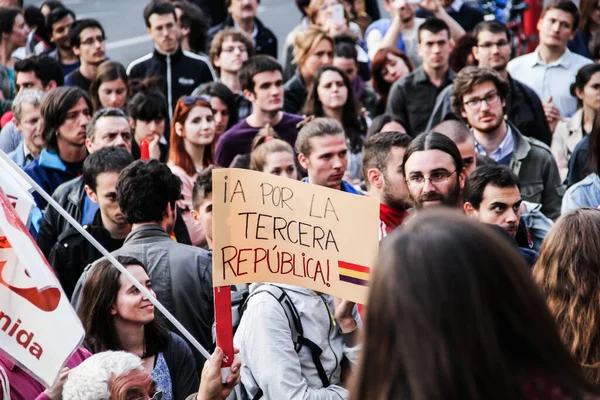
(552,67)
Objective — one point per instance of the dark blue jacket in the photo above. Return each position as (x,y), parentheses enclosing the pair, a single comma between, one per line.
(49,172)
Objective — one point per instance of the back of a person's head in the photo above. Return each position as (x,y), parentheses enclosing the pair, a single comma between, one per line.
(455,314)
(91,379)
(139,179)
(254,66)
(79,26)
(345,47)
(568,272)
(317,127)
(455,130)
(203,187)
(106,159)
(45,68)
(496,175)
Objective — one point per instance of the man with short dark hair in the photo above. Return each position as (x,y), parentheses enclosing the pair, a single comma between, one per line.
(480,98)
(27,117)
(108,127)
(492,195)
(36,72)
(87,40)
(382,168)
(242,16)
(261,80)
(434,171)
(462,137)
(179,72)
(58,24)
(552,67)
(229,50)
(72,252)
(524,108)
(181,274)
(412,98)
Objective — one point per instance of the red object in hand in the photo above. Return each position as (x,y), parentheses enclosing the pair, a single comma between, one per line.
(144,150)
(224,326)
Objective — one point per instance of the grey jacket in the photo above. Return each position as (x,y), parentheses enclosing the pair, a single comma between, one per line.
(269,361)
(533,163)
(181,278)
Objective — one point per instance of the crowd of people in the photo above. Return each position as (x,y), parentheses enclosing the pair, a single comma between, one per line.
(485,163)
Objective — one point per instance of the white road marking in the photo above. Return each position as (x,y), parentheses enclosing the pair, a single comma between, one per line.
(128,42)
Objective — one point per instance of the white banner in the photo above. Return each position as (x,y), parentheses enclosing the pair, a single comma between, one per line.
(39,329)
(17,190)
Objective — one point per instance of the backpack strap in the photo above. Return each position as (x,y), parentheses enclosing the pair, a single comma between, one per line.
(291,312)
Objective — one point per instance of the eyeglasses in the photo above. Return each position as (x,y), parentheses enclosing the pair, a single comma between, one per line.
(436,178)
(489,45)
(191,100)
(490,99)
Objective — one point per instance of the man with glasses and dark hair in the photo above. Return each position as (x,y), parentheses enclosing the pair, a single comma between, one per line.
(87,40)
(480,99)
(434,171)
(58,24)
(523,106)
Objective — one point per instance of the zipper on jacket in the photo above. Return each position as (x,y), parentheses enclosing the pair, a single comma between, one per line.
(331,326)
(169,88)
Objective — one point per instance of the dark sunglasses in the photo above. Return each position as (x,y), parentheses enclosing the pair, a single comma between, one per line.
(190,100)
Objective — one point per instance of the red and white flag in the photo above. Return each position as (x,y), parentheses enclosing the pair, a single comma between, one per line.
(39,329)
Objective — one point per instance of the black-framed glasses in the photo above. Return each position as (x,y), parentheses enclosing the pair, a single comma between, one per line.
(490,99)
(190,100)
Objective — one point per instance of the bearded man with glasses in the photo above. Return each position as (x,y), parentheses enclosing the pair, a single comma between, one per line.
(480,99)
(434,171)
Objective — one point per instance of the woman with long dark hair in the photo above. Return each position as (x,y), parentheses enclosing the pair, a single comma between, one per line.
(109,89)
(192,144)
(454,314)
(332,95)
(117,316)
(222,102)
(589,24)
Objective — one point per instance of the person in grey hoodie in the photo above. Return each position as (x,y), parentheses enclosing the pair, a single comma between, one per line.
(272,365)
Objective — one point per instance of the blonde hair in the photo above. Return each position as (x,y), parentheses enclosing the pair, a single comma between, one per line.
(265,143)
(305,42)
(568,272)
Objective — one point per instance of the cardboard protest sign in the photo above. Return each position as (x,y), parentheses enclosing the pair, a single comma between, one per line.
(39,329)
(272,229)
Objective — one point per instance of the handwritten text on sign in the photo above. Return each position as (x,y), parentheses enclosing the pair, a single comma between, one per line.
(272,229)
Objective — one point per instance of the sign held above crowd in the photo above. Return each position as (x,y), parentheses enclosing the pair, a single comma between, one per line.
(273,229)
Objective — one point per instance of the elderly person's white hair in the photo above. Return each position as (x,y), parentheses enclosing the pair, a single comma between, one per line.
(90,379)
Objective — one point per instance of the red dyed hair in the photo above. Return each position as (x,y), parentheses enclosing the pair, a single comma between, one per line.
(379,84)
(177,153)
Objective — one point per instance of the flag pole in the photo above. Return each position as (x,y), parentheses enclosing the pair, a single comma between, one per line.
(109,256)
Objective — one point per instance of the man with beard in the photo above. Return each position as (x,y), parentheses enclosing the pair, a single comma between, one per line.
(58,24)
(87,40)
(434,171)
(480,98)
(382,169)
(524,107)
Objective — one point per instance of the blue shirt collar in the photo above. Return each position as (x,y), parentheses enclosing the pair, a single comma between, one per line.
(506,147)
(50,159)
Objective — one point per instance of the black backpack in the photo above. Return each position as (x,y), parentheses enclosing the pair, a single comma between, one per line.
(295,323)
